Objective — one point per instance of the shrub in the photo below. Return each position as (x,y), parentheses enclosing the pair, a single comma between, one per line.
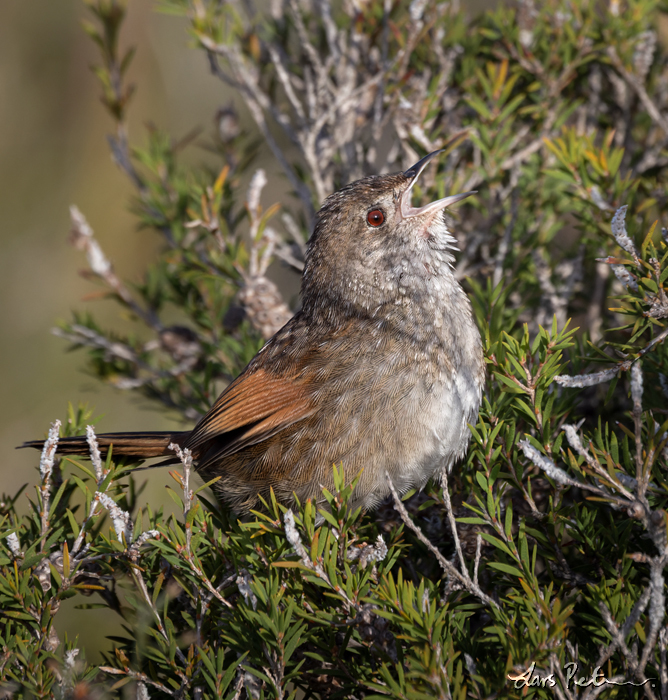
(540,560)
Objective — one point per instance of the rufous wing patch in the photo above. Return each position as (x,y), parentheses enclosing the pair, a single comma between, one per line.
(257,401)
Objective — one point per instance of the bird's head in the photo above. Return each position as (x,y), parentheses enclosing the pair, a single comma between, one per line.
(371,247)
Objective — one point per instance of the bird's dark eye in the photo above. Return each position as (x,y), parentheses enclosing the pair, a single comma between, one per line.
(375,217)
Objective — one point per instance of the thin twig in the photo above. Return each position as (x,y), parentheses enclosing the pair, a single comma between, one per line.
(462,578)
(478,553)
(258,115)
(82,237)
(639,89)
(575,442)
(630,656)
(451,519)
(141,585)
(636,395)
(185,456)
(560,476)
(140,678)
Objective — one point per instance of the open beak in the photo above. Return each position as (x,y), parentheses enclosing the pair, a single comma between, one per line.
(406,207)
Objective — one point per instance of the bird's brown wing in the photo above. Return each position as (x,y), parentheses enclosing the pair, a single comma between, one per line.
(255,406)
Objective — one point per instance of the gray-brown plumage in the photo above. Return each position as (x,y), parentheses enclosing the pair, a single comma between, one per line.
(382,367)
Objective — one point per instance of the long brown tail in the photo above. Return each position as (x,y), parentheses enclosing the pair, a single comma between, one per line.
(133,445)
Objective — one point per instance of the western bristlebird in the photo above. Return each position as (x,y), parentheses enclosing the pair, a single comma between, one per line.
(380,370)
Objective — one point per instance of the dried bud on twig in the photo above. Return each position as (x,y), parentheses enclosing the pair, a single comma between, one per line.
(294,538)
(46,463)
(259,296)
(243,581)
(182,344)
(367,553)
(264,306)
(618,228)
(95,456)
(43,569)
(120,518)
(49,453)
(643,56)
(526,19)
(625,277)
(133,550)
(547,465)
(227,123)
(142,692)
(14,544)
(636,387)
(583,380)
(255,187)
(83,238)
(597,198)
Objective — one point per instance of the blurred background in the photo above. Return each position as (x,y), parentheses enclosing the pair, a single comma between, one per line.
(53,153)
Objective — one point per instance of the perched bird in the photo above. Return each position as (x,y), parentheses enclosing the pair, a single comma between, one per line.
(381,369)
